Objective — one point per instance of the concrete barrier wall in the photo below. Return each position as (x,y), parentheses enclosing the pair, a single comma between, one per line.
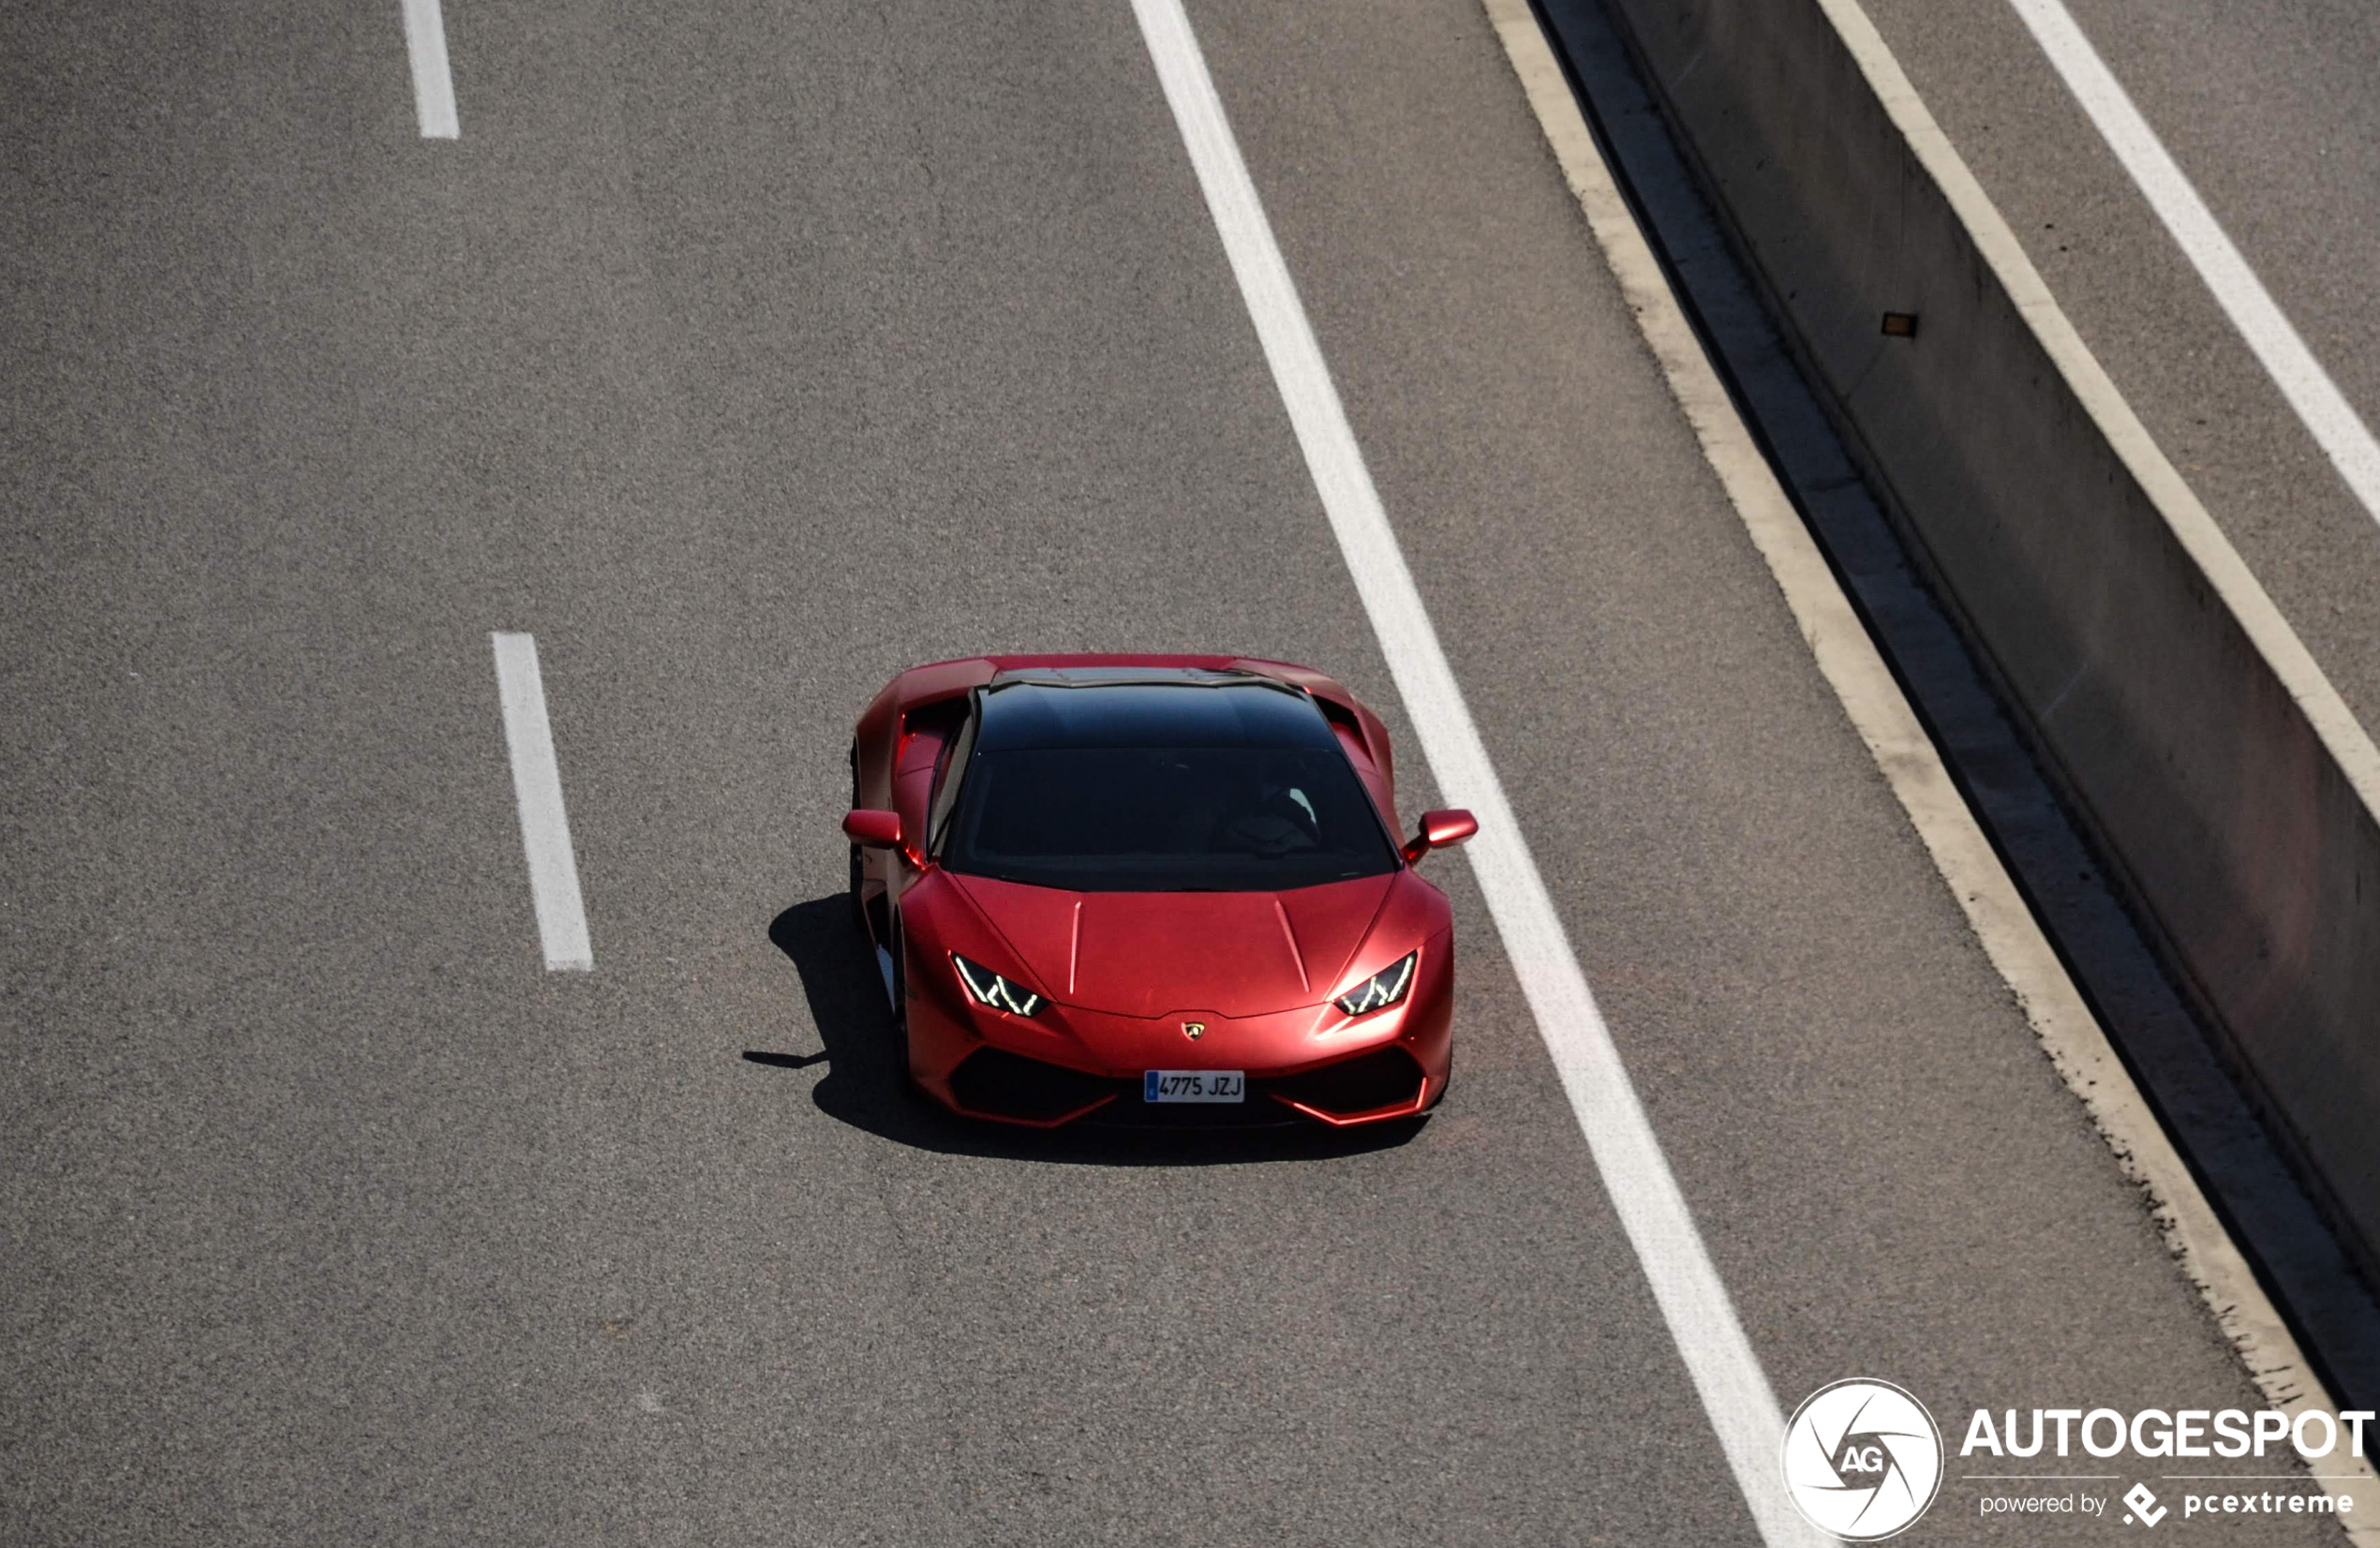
(2222,771)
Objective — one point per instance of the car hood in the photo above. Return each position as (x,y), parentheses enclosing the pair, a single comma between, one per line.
(1148,953)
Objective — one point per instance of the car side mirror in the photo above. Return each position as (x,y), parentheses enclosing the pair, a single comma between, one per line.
(872,829)
(1440,829)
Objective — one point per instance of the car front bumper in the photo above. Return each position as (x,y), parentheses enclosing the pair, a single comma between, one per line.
(1312,1064)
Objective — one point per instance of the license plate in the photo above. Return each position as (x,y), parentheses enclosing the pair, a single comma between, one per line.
(1194,1085)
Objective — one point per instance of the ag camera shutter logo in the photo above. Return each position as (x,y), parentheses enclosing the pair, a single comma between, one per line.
(1862,1459)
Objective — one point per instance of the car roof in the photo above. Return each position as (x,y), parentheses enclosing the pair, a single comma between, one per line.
(1083,674)
(1143,708)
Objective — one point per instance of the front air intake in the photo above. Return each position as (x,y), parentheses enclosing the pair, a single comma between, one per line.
(999,1084)
(1384,1078)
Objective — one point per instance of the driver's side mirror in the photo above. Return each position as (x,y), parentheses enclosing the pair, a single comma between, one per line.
(872,829)
(1439,829)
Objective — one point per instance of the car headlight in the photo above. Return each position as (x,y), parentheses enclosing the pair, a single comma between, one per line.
(991,988)
(1382,990)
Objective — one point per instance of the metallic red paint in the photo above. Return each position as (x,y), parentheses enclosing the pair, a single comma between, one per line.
(1146,952)
(1440,829)
(1123,973)
(1420,1104)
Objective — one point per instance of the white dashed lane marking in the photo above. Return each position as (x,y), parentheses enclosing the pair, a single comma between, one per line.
(433,82)
(537,783)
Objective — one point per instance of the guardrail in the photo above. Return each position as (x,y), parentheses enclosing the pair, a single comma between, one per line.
(2221,773)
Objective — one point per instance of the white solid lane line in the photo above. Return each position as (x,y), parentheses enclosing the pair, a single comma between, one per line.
(433,83)
(537,783)
(1701,1319)
(2342,434)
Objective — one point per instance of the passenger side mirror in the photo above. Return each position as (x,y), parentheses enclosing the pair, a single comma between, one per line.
(1439,829)
(872,829)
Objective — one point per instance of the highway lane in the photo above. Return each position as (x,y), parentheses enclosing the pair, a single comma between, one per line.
(744,354)
(2269,111)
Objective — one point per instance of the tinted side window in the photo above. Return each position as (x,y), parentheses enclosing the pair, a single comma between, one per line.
(949,778)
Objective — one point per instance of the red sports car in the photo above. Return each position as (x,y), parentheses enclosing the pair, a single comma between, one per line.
(1163,889)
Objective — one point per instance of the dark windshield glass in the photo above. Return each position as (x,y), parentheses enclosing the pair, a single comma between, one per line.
(1167,819)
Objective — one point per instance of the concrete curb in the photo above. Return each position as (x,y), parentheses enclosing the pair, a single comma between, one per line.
(1885,722)
(2221,771)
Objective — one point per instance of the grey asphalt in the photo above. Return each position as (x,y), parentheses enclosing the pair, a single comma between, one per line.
(2268,108)
(745,353)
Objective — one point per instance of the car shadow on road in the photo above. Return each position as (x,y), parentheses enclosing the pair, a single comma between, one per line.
(846,995)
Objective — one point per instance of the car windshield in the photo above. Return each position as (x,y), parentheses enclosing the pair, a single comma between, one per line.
(1167,819)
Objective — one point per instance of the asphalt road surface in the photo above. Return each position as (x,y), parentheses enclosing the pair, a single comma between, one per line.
(744,353)
(2268,109)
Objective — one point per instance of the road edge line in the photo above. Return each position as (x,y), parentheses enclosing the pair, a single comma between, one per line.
(2289,362)
(1881,716)
(1726,1372)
